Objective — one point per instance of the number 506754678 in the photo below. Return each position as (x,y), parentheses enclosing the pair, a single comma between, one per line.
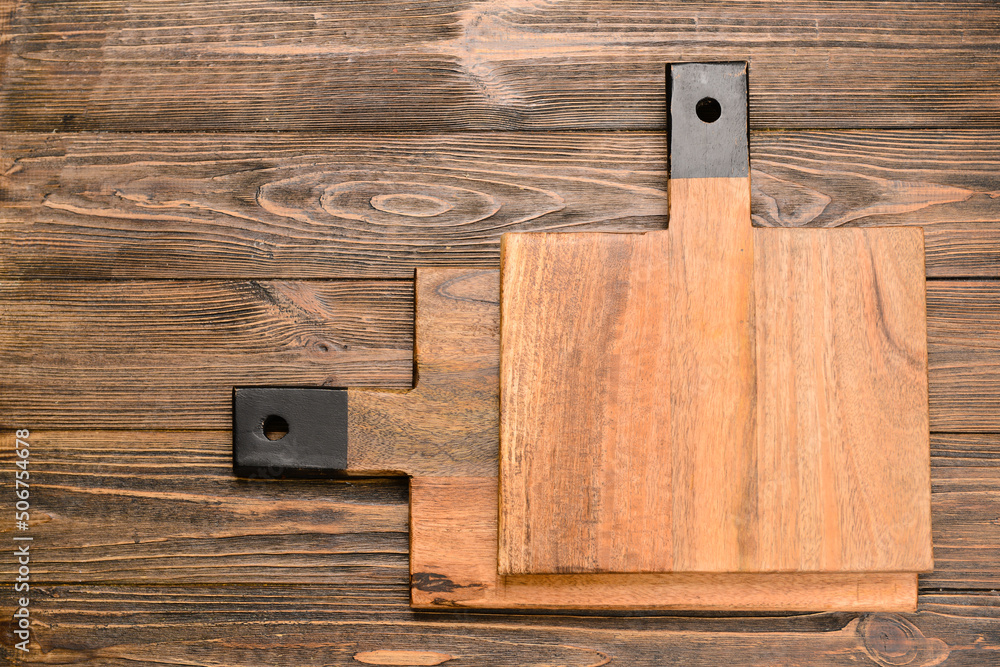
(21,487)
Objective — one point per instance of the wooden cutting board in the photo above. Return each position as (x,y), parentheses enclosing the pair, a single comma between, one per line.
(445,434)
(706,417)
(772,419)
(714,398)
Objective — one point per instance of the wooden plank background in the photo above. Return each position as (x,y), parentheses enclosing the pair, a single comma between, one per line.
(184,206)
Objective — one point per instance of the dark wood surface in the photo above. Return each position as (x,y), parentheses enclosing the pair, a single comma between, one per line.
(234,146)
(180,205)
(515,64)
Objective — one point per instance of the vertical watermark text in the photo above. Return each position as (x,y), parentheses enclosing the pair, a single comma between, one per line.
(22,540)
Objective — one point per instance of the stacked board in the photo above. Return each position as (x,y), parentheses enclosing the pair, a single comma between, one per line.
(707,417)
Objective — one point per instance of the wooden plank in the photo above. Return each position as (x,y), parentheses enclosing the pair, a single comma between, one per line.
(330,625)
(166,354)
(7,8)
(447,571)
(283,205)
(958,253)
(843,456)
(253,317)
(163,507)
(90,345)
(964,389)
(964,507)
(963,334)
(585,459)
(966,531)
(953,309)
(965,449)
(875,178)
(98,492)
(224,206)
(452,65)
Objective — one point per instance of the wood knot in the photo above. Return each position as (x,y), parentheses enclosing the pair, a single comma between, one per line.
(388,204)
(415,206)
(402,206)
(891,640)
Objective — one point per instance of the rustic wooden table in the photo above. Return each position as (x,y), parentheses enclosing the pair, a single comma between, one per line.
(198,195)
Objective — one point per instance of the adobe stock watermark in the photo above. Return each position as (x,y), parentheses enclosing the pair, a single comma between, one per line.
(22,540)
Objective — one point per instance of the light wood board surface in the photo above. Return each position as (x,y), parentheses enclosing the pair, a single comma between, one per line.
(454,519)
(585,461)
(448,424)
(643,429)
(713,387)
(629,391)
(842,401)
(453,538)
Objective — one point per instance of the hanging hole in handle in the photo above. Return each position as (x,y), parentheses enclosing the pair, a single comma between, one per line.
(708,109)
(275,427)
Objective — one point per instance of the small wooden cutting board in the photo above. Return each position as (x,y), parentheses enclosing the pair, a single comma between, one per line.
(714,398)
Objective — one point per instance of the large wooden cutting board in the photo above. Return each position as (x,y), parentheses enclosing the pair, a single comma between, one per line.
(453,491)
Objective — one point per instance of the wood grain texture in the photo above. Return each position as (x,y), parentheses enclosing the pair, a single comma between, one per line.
(871,178)
(447,65)
(966,530)
(842,455)
(166,354)
(164,507)
(447,571)
(7,8)
(965,449)
(713,386)
(404,657)
(279,205)
(139,64)
(167,500)
(101,326)
(838,479)
(957,253)
(963,335)
(448,424)
(585,459)
(629,393)
(455,519)
(106,625)
(457,528)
